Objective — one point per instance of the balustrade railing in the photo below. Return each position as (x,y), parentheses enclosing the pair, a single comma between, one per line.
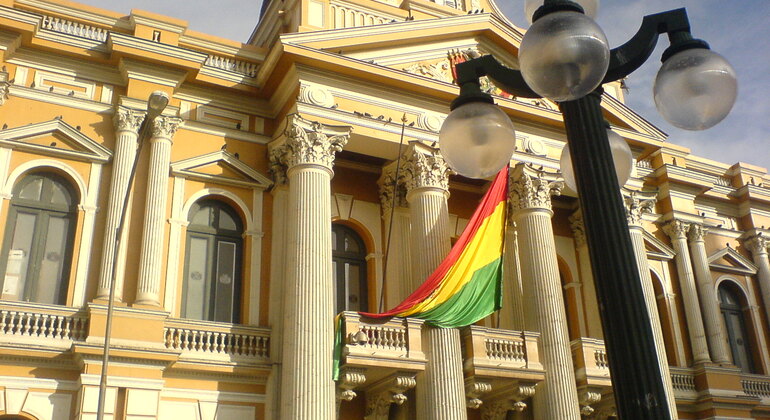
(380,342)
(74,28)
(758,386)
(500,353)
(236,66)
(211,339)
(42,324)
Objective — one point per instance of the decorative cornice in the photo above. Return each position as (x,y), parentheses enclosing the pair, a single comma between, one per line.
(127,119)
(637,206)
(165,127)
(312,143)
(697,232)
(424,167)
(578,228)
(529,188)
(676,229)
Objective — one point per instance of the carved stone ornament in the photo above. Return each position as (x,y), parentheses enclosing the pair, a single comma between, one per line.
(430,121)
(388,183)
(474,390)
(440,71)
(127,119)
(757,244)
(4,87)
(312,143)
(498,408)
(697,232)
(578,228)
(424,167)
(315,95)
(277,168)
(676,229)
(350,378)
(165,127)
(636,207)
(587,399)
(529,188)
(391,391)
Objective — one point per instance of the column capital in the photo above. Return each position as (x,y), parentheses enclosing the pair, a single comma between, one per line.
(164,127)
(530,188)
(676,229)
(637,205)
(424,167)
(758,244)
(697,232)
(128,119)
(578,227)
(277,165)
(312,143)
(392,189)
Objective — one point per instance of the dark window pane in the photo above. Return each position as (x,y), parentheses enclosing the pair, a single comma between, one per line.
(33,190)
(52,262)
(349,265)
(353,280)
(17,262)
(351,245)
(196,301)
(203,217)
(59,195)
(226,221)
(225,277)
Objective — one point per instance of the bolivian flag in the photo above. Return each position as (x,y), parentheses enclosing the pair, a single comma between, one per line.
(467,285)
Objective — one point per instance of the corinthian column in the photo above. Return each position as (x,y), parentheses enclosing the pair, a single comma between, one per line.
(530,197)
(635,208)
(148,286)
(127,123)
(307,151)
(441,394)
(709,304)
(758,244)
(677,230)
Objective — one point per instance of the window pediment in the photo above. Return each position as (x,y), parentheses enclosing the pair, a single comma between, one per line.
(220,167)
(730,261)
(55,138)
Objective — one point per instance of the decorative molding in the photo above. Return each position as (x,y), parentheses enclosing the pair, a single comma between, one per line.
(424,167)
(387,183)
(310,93)
(221,117)
(440,71)
(83,147)
(430,121)
(637,205)
(656,249)
(474,390)
(530,188)
(757,244)
(57,99)
(587,398)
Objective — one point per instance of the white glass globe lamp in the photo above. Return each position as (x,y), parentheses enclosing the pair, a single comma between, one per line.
(564,56)
(477,140)
(590,8)
(621,157)
(695,89)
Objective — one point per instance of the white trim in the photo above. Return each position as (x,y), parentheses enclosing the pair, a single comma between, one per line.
(174,246)
(218,117)
(43,82)
(86,238)
(7,188)
(743,265)
(123,381)
(212,396)
(55,98)
(746,293)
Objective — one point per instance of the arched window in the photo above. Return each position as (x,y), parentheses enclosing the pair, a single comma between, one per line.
(349,261)
(735,323)
(39,234)
(213,263)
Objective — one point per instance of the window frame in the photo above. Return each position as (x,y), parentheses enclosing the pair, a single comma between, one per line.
(43,210)
(215,236)
(736,309)
(342,256)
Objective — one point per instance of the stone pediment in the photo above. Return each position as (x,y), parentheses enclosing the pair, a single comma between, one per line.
(220,167)
(54,138)
(729,260)
(656,249)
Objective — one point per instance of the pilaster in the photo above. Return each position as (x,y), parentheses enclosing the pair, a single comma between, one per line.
(677,231)
(148,285)
(395,212)
(530,194)
(127,124)
(594,321)
(636,206)
(307,152)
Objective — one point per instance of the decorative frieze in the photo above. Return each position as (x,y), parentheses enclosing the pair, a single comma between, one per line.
(637,206)
(531,188)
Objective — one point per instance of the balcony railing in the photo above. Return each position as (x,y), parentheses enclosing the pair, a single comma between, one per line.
(756,385)
(492,352)
(41,325)
(590,357)
(217,341)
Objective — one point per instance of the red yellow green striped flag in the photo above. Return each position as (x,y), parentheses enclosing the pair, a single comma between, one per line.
(467,285)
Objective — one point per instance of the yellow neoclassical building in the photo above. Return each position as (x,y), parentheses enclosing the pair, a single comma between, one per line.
(274,191)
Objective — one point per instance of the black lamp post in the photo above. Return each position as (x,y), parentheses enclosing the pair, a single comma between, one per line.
(636,377)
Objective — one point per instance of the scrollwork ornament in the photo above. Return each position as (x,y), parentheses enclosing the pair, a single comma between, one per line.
(4,89)
(530,189)
(127,119)
(387,184)
(637,207)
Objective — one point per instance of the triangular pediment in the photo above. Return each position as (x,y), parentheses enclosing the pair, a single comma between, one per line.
(729,260)
(54,138)
(420,51)
(656,249)
(220,167)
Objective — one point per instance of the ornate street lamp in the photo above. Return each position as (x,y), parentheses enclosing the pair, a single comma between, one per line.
(564,56)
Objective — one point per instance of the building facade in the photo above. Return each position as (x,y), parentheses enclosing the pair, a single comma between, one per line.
(298,176)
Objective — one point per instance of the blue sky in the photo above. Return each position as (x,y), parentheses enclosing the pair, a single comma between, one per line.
(735,29)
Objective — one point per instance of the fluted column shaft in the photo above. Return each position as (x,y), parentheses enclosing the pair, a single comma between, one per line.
(758,244)
(530,197)
(594,320)
(148,285)
(635,207)
(441,393)
(677,230)
(127,123)
(307,388)
(709,303)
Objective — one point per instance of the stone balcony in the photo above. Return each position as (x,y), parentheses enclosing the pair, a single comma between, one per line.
(501,368)
(37,329)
